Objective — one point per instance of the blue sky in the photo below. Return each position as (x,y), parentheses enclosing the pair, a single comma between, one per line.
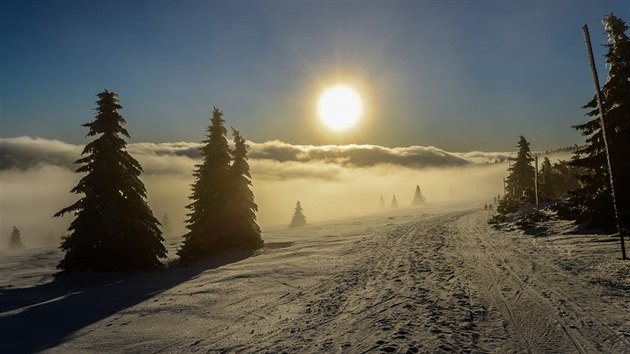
(460,75)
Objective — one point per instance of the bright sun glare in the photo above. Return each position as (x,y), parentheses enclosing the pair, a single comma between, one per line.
(340,107)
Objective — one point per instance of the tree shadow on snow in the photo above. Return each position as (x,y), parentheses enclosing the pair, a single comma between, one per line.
(33,319)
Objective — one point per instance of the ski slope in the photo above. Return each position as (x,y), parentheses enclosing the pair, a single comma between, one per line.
(433,279)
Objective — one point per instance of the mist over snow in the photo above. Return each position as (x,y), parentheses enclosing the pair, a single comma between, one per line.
(331,181)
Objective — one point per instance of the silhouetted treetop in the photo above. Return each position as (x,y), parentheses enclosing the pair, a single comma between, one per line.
(210,194)
(521,173)
(114,228)
(223,211)
(243,230)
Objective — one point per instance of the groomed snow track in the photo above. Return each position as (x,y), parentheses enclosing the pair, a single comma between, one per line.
(404,282)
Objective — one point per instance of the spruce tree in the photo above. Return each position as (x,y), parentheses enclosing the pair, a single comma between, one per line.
(243,231)
(394,204)
(521,172)
(114,228)
(555,181)
(298,217)
(382,203)
(547,181)
(210,194)
(418,198)
(566,179)
(15,243)
(592,202)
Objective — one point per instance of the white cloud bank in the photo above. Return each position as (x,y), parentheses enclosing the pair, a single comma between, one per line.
(331,181)
(26,152)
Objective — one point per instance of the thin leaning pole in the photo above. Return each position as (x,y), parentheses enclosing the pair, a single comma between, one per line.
(589,49)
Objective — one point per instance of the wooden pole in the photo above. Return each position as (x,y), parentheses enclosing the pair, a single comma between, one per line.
(589,49)
(536,182)
(505,190)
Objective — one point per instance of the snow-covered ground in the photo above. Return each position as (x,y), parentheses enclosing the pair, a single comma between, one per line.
(432,279)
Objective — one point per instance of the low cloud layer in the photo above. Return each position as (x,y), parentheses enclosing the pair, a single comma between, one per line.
(359,155)
(26,152)
(36,176)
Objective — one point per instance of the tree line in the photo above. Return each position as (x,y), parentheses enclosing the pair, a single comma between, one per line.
(554,181)
(418,199)
(583,183)
(114,228)
(299,220)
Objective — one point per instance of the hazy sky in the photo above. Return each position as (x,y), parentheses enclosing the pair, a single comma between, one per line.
(459,75)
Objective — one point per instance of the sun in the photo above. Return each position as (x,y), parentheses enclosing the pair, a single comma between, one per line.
(340,107)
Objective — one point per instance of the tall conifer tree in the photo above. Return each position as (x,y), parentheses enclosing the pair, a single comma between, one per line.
(243,231)
(114,228)
(566,179)
(210,194)
(547,181)
(592,202)
(522,172)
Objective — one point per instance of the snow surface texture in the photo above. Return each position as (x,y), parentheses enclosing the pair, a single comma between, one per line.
(433,279)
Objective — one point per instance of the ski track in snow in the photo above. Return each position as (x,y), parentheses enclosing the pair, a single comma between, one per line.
(410,281)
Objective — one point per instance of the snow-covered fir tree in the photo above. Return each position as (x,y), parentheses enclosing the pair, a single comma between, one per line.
(298,217)
(15,243)
(114,228)
(418,198)
(394,204)
(211,191)
(382,203)
(592,202)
